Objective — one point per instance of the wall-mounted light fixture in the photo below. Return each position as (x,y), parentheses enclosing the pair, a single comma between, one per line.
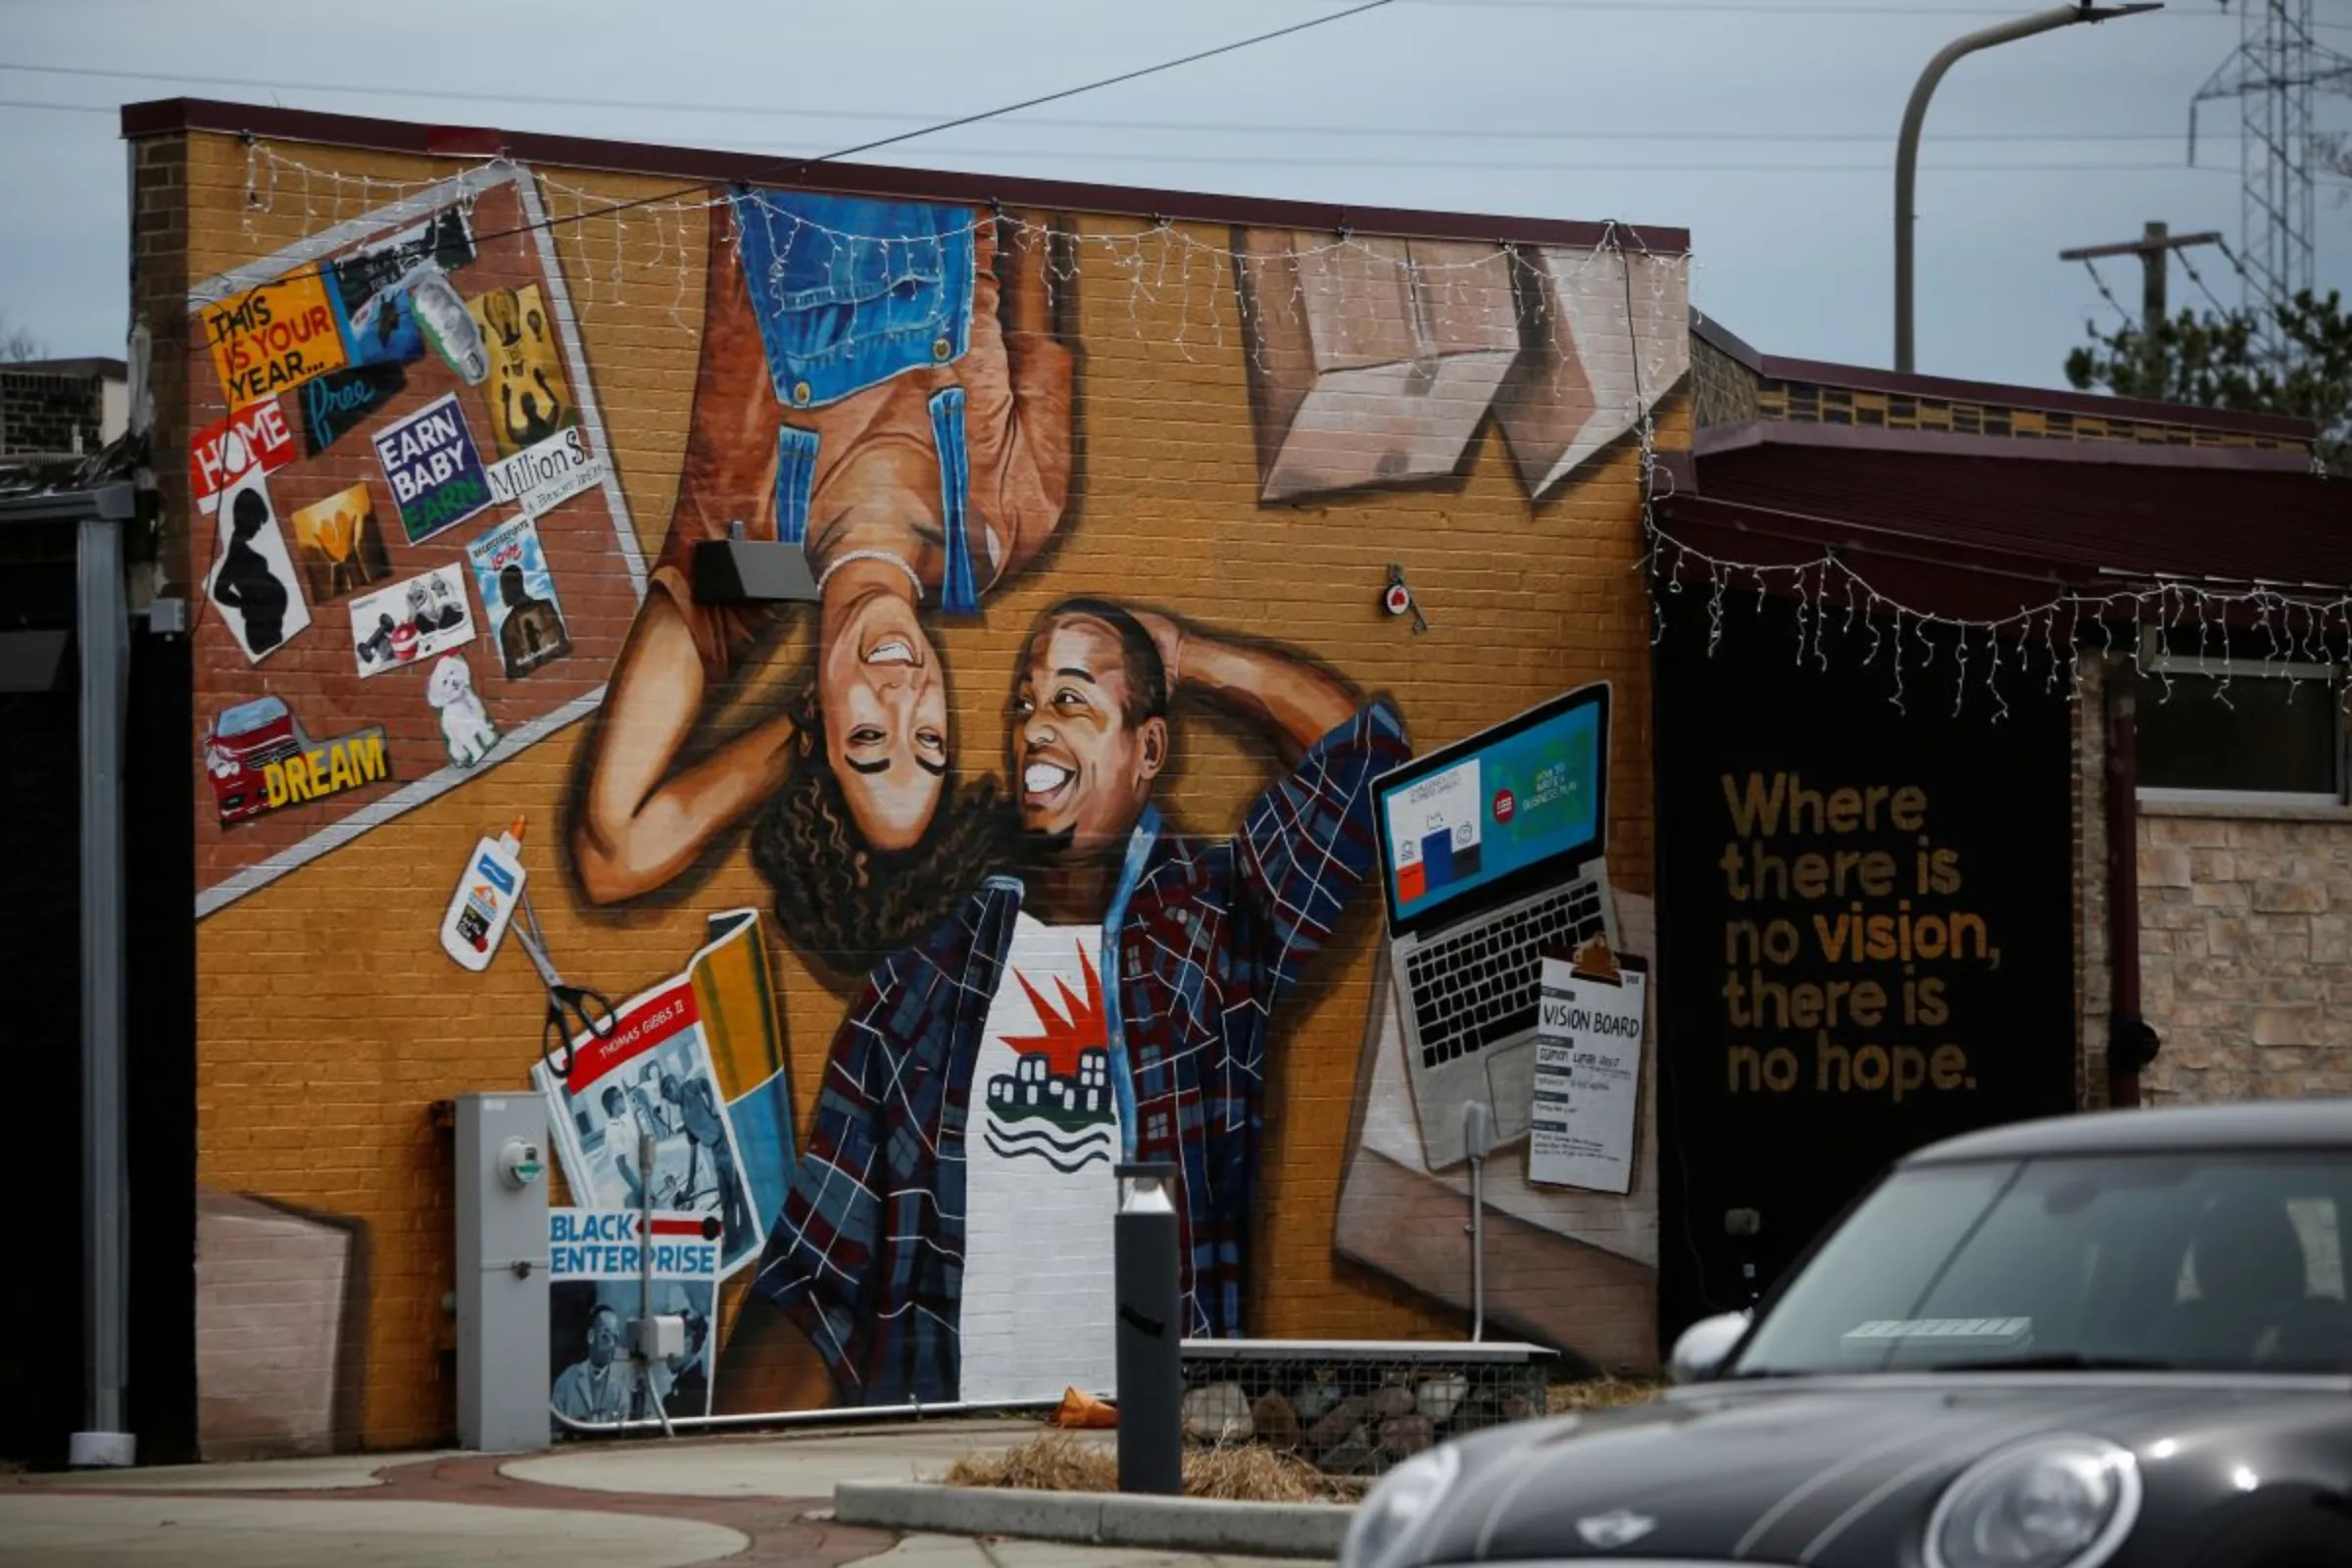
(736,570)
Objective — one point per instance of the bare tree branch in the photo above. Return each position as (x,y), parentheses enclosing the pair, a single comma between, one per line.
(17,345)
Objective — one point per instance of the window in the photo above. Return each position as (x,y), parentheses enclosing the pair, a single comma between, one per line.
(2238,729)
(2217,1262)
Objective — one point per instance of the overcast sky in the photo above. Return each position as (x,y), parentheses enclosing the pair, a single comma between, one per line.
(1764,126)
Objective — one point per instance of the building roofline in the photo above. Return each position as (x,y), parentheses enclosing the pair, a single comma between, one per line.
(163,117)
(1865,378)
(1811,533)
(1711,439)
(107,501)
(1722,338)
(71,365)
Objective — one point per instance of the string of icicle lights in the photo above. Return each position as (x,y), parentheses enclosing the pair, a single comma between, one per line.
(1484,282)
(2291,628)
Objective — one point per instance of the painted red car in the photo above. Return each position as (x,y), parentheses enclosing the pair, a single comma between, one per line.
(243,742)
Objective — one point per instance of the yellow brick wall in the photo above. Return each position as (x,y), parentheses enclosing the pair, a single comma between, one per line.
(1809,403)
(329,1020)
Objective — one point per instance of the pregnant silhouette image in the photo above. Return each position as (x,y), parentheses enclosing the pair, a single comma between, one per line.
(246,581)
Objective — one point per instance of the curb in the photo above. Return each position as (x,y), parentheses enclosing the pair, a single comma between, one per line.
(1114,1519)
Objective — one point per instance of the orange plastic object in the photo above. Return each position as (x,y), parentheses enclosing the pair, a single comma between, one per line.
(1084,1411)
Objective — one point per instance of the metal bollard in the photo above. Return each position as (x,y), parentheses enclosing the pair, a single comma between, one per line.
(1150,1337)
(1477,1137)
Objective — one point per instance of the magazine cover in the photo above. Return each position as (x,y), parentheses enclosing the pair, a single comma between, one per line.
(519,594)
(695,1062)
(596,1290)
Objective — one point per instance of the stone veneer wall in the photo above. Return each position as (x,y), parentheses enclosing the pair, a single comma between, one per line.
(2245,939)
(2246,951)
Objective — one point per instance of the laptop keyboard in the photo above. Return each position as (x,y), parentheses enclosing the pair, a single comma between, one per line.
(1479,987)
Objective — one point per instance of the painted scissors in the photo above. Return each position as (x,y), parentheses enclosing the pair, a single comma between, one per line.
(572,1011)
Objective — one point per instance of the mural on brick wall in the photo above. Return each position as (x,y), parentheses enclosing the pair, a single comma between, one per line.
(1026,843)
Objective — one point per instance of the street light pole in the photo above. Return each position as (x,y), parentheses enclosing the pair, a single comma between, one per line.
(1915,112)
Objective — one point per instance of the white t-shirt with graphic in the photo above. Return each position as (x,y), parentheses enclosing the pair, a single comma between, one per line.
(1044,1134)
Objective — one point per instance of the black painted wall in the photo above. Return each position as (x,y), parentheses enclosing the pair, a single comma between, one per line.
(43,1317)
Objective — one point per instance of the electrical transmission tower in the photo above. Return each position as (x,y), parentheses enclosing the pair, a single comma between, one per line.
(2274,72)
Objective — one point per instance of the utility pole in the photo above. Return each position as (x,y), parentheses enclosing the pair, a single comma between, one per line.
(2154,248)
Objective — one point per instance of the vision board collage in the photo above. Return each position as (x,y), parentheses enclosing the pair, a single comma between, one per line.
(407,519)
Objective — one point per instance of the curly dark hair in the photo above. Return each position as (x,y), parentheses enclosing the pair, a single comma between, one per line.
(848,904)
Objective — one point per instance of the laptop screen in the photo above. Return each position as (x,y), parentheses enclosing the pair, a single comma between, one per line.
(1496,814)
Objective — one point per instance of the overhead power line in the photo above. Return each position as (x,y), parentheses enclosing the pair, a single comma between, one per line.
(1541,166)
(1062,122)
(791,166)
(1718,8)
(781,167)
(1611,166)
(2069,136)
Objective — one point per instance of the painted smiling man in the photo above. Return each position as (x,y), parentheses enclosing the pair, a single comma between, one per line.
(947,1234)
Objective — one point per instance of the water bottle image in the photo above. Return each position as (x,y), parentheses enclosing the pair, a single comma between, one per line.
(446,322)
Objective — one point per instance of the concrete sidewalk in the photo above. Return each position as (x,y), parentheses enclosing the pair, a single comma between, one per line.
(958,1552)
(67,1530)
(332,1473)
(755,1501)
(803,1465)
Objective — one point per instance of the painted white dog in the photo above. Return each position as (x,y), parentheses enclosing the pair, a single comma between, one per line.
(465,725)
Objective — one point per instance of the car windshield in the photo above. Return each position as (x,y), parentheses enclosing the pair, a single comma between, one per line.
(2203,1262)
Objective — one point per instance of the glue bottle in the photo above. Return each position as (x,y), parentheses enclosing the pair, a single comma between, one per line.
(485,900)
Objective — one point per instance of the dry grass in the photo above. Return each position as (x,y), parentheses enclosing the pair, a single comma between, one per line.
(1062,1461)
(1602,1394)
(1051,1461)
(1251,1473)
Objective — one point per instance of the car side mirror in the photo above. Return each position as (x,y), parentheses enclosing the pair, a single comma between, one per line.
(1705,1347)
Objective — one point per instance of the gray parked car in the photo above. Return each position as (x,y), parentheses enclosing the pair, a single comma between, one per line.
(2119,1338)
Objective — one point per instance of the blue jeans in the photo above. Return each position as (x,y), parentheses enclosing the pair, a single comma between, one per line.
(849,292)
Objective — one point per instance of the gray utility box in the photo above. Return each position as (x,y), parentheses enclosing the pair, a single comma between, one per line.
(502,1273)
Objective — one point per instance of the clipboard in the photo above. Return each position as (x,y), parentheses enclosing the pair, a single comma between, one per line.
(1595,961)
(1596,1155)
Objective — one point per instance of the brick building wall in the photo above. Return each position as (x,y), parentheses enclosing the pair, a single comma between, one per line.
(1801,401)
(160,259)
(47,414)
(1224,469)
(1732,383)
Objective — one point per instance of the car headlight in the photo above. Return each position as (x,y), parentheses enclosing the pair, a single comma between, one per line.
(2049,1503)
(1393,1516)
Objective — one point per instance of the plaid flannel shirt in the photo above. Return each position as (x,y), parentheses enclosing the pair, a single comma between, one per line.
(867,1251)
